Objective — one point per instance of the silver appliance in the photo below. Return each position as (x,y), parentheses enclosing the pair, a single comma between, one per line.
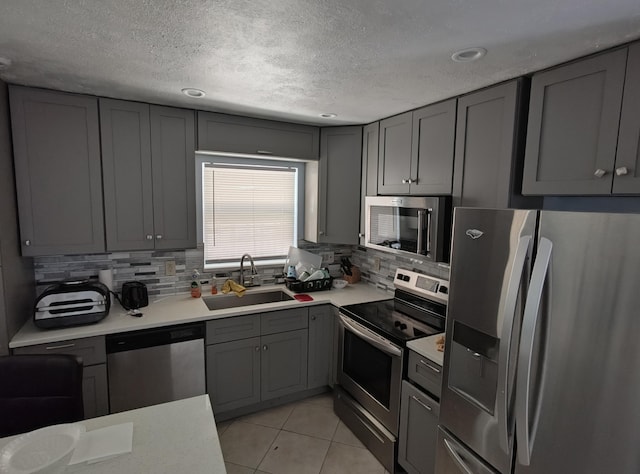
(71,303)
(371,357)
(409,225)
(155,366)
(541,357)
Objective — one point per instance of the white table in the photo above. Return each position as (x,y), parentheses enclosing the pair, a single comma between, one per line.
(175,437)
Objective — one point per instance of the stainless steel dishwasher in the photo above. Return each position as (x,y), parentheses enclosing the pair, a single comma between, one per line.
(155,366)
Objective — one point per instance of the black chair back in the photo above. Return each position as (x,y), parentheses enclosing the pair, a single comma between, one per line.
(38,391)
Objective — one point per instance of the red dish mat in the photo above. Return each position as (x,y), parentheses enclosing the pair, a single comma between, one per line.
(303,297)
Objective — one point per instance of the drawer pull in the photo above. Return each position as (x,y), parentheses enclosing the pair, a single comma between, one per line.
(63,346)
(437,371)
(421,402)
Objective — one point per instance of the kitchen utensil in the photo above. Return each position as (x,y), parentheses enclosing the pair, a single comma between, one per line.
(339,284)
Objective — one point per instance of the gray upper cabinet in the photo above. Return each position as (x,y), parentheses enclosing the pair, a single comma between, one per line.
(394,154)
(174,179)
(369,184)
(149,176)
(627,172)
(432,146)
(573,126)
(416,151)
(332,188)
(229,133)
(56,140)
(488,151)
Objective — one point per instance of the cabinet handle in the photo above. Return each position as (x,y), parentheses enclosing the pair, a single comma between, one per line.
(264,152)
(265,348)
(159,237)
(313,318)
(622,171)
(257,348)
(360,234)
(421,402)
(149,237)
(437,371)
(406,181)
(321,232)
(27,243)
(599,173)
(62,346)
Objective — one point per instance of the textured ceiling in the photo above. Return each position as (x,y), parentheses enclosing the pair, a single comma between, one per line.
(295,59)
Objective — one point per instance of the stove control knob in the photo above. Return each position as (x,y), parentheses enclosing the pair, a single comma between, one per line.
(403,326)
(400,276)
(397,324)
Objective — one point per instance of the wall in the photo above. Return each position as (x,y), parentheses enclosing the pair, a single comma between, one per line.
(149,267)
(17,272)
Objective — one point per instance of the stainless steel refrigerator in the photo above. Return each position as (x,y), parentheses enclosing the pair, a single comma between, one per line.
(542,350)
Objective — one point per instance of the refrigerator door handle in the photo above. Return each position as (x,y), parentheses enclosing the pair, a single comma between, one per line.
(506,337)
(528,334)
(457,458)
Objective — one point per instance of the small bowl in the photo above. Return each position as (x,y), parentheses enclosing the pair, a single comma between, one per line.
(339,284)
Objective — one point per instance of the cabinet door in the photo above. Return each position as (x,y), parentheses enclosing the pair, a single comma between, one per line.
(369,185)
(433,141)
(628,155)
(573,126)
(284,363)
(56,141)
(486,152)
(320,345)
(174,195)
(95,392)
(126,172)
(339,190)
(418,431)
(219,132)
(233,374)
(394,159)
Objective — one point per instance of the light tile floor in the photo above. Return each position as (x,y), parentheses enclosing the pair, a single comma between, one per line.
(304,437)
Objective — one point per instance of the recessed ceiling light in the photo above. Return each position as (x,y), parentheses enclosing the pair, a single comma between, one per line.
(4,63)
(328,115)
(468,55)
(193,93)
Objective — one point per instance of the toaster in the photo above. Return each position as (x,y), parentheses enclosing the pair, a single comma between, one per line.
(71,303)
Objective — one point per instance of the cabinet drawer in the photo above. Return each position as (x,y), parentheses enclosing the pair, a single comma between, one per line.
(91,349)
(232,329)
(287,320)
(425,373)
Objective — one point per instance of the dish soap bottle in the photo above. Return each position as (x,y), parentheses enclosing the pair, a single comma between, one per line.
(196,286)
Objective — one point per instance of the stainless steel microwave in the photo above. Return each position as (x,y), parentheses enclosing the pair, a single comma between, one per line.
(409,225)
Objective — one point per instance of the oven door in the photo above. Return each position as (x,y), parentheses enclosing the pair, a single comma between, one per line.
(370,370)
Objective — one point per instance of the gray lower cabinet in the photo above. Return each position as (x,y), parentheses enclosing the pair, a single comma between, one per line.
(233,373)
(369,184)
(418,430)
(332,188)
(56,142)
(230,133)
(256,357)
(95,389)
(321,321)
(627,172)
(284,363)
(149,176)
(488,151)
(572,132)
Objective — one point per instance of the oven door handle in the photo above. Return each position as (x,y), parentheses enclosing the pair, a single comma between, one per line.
(381,344)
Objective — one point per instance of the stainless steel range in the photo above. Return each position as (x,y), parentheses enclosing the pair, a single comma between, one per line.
(371,359)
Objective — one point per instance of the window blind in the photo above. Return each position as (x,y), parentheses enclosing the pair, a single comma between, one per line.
(248,209)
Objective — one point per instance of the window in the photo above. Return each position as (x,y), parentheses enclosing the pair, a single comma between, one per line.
(249,206)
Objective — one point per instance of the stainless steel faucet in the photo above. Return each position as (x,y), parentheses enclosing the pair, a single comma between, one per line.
(252,279)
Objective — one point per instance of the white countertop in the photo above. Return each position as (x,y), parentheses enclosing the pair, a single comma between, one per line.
(174,437)
(183,308)
(426,347)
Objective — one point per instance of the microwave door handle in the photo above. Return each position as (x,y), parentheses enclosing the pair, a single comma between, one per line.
(423,225)
(539,275)
(384,346)
(508,311)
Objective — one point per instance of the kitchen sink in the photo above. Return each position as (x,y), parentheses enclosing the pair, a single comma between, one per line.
(233,301)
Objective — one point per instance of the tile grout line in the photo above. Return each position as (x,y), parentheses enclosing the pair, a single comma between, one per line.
(274,440)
